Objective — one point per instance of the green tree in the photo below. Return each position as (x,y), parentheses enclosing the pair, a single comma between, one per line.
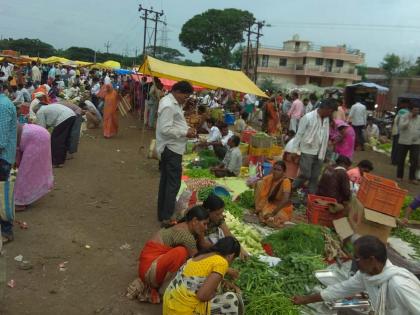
(237,57)
(267,84)
(391,65)
(362,71)
(27,46)
(79,53)
(215,33)
(165,53)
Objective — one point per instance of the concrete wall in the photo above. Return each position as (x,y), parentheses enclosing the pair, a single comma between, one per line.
(400,86)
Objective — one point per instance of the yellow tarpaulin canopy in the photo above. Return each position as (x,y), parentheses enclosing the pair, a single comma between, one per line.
(83,63)
(207,77)
(110,64)
(54,59)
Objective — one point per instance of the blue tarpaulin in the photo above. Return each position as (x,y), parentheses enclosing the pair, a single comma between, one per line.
(123,71)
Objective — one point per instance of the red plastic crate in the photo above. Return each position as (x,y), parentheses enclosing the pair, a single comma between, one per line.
(381,194)
(319,214)
(246,135)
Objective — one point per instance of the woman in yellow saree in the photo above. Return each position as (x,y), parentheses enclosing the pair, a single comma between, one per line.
(194,290)
(272,197)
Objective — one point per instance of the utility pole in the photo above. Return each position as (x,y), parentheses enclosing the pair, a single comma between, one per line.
(247,49)
(146,17)
(259,27)
(252,60)
(107,45)
(157,15)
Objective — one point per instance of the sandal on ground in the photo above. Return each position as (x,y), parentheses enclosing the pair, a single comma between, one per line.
(6,239)
(20,208)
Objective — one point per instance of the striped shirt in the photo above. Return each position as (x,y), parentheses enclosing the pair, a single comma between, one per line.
(7,129)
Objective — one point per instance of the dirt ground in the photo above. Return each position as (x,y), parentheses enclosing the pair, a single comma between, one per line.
(94,222)
(104,198)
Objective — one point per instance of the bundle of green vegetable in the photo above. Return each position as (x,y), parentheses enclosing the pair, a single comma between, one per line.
(275,303)
(203,193)
(293,276)
(407,236)
(249,238)
(233,208)
(199,173)
(247,199)
(300,238)
(297,273)
(256,278)
(387,147)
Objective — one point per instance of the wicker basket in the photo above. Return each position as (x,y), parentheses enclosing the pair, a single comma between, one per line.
(258,141)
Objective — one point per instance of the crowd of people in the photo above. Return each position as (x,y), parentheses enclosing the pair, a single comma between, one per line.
(42,110)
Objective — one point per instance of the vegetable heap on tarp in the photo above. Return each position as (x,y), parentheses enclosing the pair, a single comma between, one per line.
(249,237)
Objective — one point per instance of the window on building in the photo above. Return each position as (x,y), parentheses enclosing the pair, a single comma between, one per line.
(339,63)
(304,60)
(283,62)
(319,61)
(264,61)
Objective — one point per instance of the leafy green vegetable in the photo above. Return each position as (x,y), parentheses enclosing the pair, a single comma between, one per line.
(415,215)
(247,235)
(203,193)
(233,208)
(407,236)
(297,273)
(247,199)
(274,303)
(199,173)
(300,238)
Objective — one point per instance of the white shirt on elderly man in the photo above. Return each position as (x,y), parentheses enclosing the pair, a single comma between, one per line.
(394,291)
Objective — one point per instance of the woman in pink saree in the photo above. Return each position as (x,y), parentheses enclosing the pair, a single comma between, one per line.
(35,177)
(345,140)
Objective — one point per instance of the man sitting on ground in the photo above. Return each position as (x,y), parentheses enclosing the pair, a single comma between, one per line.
(231,165)
(391,289)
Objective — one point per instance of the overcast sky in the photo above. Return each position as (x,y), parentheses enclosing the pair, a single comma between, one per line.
(376,27)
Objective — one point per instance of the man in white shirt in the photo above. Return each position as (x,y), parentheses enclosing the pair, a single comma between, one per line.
(232,162)
(172,133)
(61,119)
(36,73)
(312,141)
(107,79)
(221,147)
(358,117)
(392,290)
(96,87)
(19,96)
(372,130)
(7,69)
(52,73)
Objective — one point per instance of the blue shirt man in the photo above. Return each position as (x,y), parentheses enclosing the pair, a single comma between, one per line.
(7,151)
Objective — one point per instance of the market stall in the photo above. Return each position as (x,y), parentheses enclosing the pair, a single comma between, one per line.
(311,251)
(206,77)
(372,94)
